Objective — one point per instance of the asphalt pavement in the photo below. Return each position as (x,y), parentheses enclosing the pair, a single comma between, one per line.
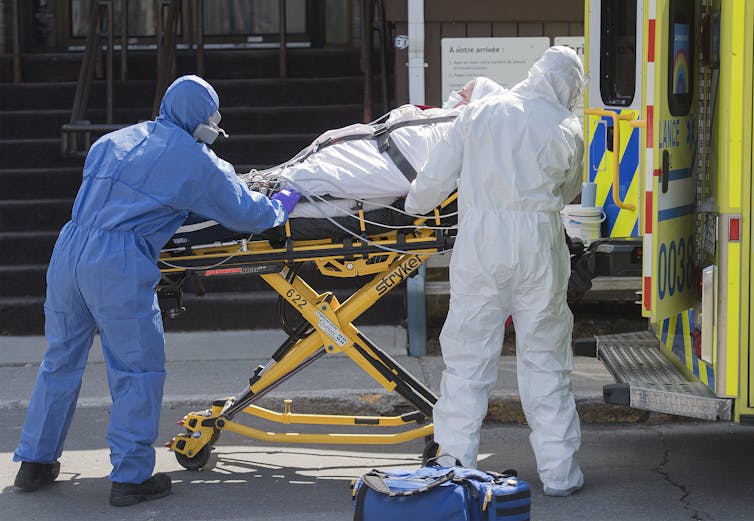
(249,479)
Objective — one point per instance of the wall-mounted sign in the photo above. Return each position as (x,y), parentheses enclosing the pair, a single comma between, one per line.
(574,42)
(401,41)
(504,60)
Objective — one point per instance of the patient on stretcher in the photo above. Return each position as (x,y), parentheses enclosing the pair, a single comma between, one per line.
(367,167)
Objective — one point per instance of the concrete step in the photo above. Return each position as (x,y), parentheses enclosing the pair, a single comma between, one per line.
(280,120)
(218,311)
(219,64)
(290,92)
(41,183)
(269,118)
(21,316)
(31,124)
(60,95)
(259,310)
(34,214)
(262,148)
(254,149)
(35,154)
(261,92)
(26,248)
(28,124)
(27,280)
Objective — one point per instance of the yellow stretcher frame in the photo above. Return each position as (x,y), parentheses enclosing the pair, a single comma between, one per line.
(328,329)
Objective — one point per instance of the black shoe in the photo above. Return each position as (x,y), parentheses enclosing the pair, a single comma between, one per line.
(431,452)
(31,475)
(125,494)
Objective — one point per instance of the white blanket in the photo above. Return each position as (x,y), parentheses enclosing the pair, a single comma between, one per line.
(346,163)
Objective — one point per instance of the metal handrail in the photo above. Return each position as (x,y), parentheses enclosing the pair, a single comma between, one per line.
(368,8)
(16,43)
(616,151)
(199,35)
(124,41)
(101,11)
(167,27)
(283,52)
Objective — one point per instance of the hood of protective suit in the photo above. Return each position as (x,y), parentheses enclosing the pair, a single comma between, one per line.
(557,75)
(188,102)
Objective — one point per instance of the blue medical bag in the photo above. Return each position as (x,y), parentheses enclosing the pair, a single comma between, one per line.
(437,493)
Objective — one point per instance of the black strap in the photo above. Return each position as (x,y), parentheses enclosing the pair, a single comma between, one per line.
(423,121)
(400,161)
(507,473)
(358,513)
(386,144)
(432,462)
(376,481)
(333,141)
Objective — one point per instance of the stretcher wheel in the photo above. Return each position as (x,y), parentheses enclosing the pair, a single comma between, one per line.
(197,462)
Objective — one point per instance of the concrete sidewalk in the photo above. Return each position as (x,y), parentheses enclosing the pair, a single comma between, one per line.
(202,367)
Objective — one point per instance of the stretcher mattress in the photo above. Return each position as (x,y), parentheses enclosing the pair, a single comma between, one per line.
(199,231)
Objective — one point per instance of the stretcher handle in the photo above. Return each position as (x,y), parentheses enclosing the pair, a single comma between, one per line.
(616,151)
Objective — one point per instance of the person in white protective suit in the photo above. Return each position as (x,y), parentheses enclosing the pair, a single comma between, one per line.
(515,158)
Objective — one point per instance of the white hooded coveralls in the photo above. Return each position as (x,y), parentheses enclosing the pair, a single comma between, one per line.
(515,158)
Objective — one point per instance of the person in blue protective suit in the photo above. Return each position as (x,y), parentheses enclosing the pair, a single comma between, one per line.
(515,158)
(138,186)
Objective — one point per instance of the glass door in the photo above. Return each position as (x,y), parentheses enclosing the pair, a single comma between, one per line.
(246,23)
(225,23)
(141,23)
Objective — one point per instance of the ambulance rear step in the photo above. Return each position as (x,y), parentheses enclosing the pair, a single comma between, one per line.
(646,380)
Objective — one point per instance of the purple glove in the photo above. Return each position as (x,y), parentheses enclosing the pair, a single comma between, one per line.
(288,197)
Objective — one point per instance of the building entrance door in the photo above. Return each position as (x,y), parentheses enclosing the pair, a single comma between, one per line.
(223,23)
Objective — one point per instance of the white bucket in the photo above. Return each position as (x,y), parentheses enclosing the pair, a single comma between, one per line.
(583,222)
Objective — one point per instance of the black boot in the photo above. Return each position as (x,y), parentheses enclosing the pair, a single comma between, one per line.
(125,494)
(31,475)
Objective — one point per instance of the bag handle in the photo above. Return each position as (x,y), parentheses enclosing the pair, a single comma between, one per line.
(376,481)
(507,473)
(432,462)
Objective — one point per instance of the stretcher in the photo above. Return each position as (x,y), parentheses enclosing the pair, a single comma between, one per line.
(326,325)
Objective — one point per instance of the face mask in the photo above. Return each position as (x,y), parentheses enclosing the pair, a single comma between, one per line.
(454,100)
(207,132)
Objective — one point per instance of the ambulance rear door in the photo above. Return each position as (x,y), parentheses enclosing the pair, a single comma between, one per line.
(671,213)
(613,102)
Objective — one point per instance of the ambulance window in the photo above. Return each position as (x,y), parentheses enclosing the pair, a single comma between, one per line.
(681,57)
(618,52)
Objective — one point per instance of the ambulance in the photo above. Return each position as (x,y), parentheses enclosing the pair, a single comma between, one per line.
(669,110)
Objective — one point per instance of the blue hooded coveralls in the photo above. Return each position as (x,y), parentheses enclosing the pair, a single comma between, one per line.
(138,185)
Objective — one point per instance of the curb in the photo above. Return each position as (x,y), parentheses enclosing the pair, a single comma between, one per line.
(592,410)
